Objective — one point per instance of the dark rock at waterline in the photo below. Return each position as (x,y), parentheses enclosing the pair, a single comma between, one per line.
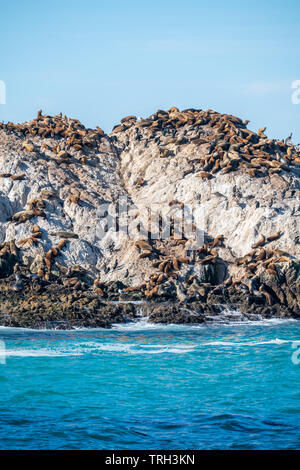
(175,313)
(42,304)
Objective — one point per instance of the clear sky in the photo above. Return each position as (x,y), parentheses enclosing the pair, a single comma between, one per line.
(101,60)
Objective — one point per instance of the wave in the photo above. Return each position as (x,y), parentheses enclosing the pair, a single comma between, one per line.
(144,324)
(137,348)
(95,348)
(249,343)
(35,353)
(178,348)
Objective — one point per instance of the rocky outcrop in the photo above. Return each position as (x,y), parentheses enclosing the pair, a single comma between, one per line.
(63,226)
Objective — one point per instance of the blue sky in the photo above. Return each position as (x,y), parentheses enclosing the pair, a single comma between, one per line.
(99,61)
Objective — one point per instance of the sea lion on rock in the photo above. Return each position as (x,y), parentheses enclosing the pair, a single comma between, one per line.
(143,245)
(61,244)
(23,216)
(20,177)
(204,175)
(261,242)
(36,203)
(28,146)
(64,234)
(274,237)
(217,241)
(145,254)
(47,194)
(28,241)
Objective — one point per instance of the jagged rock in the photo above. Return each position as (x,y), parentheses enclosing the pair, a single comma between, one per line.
(60,183)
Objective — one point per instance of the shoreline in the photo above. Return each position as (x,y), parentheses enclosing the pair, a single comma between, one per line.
(143,326)
(48,305)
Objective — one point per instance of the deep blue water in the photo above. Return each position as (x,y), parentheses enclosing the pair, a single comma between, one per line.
(151,387)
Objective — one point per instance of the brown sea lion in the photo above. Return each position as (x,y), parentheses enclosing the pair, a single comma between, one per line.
(274,237)
(261,242)
(204,175)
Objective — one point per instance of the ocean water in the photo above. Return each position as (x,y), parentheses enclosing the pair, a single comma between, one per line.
(141,386)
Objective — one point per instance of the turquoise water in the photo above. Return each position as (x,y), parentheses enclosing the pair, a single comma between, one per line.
(151,387)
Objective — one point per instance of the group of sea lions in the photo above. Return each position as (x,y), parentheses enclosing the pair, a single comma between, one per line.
(74,135)
(229,145)
(168,267)
(166,263)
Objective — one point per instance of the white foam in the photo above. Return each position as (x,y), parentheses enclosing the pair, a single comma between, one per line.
(246,322)
(248,343)
(34,353)
(174,349)
(136,348)
(143,324)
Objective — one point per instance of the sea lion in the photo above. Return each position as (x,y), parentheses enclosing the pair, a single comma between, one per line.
(174,202)
(218,241)
(162,265)
(274,237)
(261,242)
(175,264)
(28,146)
(242,260)
(128,118)
(261,255)
(23,216)
(163,153)
(12,247)
(61,244)
(55,251)
(173,110)
(18,177)
(180,242)
(47,194)
(35,229)
(204,175)
(207,260)
(261,131)
(30,241)
(140,182)
(184,260)
(145,254)
(131,289)
(49,255)
(143,245)
(155,264)
(272,272)
(161,278)
(36,203)
(73,198)
(283,259)
(64,234)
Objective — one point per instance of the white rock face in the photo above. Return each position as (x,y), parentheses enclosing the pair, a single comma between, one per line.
(96,183)
(128,163)
(236,205)
(233,204)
